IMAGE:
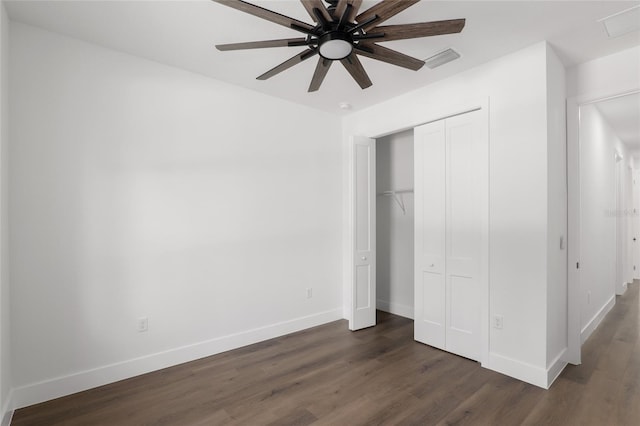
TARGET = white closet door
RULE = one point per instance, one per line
(464, 192)
(450, 214)
(364, 217)
(429, 234)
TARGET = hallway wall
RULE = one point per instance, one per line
(598, 145)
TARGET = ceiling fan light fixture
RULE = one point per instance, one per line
(335, 46)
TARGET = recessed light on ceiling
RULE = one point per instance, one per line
(441, 58)
(344, 105)
(622, 22)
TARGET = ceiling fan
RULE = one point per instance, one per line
(341, 34)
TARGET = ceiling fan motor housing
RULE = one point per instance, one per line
(335, 45)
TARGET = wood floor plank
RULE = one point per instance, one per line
(502, 400)
(441, 396)
(297, 417)
(558, 405)
(598, 400)
(627, 409)
(615, 359)
(328, 375)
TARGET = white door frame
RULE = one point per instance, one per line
(385, 129)
(574, 323)
(621, 235)
(635, 225)
(629, 223)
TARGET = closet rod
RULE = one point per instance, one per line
(396, 191)
(397, 197)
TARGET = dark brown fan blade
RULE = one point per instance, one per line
(316, 4)
(269, 15)
(390, 56)
(289, 63)
(287, 42)
(355, 68)
(321, 72)
(342, 5)
(425, 29)
(385, 10)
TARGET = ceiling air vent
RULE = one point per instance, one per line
(622, 22)
(441, 58)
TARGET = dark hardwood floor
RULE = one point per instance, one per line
(330, 376)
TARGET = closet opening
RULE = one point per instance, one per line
(395, 224)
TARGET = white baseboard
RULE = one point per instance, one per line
(66, 385)
(529, 373)
(395, 308)
(7, 412)
(594, 322)
(555, 368)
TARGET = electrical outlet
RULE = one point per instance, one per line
(498, 321)
(309, 293)
(143, 324)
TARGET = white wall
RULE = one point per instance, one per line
(5, 306)
(137, 189)
(394, 229)
(516, 87)
(628, 225)
(598, 144)
(556, 214)
(606, 76)
(624, 214)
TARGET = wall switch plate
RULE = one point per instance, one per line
(143, 324)
(309, 293)
(498, 322)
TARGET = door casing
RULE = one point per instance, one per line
(574, 324)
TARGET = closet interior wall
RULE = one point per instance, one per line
(394, 227)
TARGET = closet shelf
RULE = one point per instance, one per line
(397, 196)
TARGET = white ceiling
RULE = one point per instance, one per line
(623, 115)
(183, 34)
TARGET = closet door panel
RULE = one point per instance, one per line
(364, 241)
(429, 196)
(463, 234)
(363, 287)
(461, 307)
(434, 308)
